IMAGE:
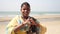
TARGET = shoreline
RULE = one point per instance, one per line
(40, 17)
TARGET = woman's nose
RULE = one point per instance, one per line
(25, 10)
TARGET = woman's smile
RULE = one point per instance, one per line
(25, 10)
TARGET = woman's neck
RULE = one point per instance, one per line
(25, 17)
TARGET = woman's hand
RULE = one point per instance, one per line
(27, 21)
(32, 22)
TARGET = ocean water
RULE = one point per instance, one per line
(33, 13)
(14, 13)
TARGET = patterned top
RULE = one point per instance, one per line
(15, 22)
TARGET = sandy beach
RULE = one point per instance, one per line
(51, 22)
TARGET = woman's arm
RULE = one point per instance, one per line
(18, 27)
(21, 25)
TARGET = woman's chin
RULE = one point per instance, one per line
(26, 15)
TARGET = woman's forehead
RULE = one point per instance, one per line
(25, 6)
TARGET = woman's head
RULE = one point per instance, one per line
(25, 9)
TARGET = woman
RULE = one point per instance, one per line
(23, 24)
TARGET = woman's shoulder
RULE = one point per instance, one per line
(13, 21)
(16, 17)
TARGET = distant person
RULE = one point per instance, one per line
(23, 24)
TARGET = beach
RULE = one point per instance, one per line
(51, 22)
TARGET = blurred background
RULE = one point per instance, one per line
(46, 11)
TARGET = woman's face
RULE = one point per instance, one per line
(25, 10)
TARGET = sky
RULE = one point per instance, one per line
(36, 5)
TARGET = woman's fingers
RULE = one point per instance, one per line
(32, 21)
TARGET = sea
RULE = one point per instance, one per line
(14, 13)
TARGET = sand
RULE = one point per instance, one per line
(51, 22)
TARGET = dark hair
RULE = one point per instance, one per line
(25, 3)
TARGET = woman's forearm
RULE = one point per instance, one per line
(18, 27)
